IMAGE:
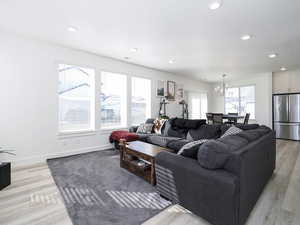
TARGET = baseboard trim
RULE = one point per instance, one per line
(43, 158)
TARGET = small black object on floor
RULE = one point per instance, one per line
(4, 175)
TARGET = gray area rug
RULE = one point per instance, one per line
(96, 191)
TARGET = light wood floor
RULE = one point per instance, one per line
(33, 198)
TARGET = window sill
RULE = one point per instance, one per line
(108, 130)
(71, 134)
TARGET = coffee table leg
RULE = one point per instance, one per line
(122, 150)
(153, 176)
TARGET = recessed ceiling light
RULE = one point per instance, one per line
(72, 29)
(283, 69)
(246, 37)
(171, 61)
(273, 55)
(134, 49)
(215, 4)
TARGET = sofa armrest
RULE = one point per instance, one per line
(210, 194)
(133, 129)
(253, 165)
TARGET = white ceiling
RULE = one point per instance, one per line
(204, 43)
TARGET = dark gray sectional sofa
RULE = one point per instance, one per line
(224, 181)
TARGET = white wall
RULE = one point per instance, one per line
(29, 103)
(263, 97)
(286, 82)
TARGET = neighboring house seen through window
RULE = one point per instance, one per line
(75, 91)
(140, 100)
(113, 99)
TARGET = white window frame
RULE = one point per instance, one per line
(239, 87)
(92, 129)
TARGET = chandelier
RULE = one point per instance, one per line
(220, 88)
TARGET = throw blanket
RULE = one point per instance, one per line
(122, 134)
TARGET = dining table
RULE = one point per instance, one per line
(232, 117)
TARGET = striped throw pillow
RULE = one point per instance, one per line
(231, 131)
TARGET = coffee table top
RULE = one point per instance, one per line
(146, 148)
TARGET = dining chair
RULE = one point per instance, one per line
(217, 118)
(231, 121)
(246, 119)
(209, 117)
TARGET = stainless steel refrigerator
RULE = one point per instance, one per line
(286, 116)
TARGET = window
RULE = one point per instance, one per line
(197, 105)
(140, 100)
(113, 99)
(76, 95)
(240, 100)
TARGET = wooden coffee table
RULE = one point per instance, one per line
(136, 153)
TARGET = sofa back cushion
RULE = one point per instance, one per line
(225, 127)
(178, 123)
(213, 154)
(169, 131)
(205, 131)
(252, 135)
(216, 154)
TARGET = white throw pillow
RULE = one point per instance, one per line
(158, 125)
(145, 128)
(191, 145)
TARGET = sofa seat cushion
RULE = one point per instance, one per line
(160, 140)
(205, 131)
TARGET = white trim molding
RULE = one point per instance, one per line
(43, 158)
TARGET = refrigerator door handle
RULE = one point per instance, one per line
(289, 124)
(288, 108)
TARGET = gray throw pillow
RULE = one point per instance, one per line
(213, 154)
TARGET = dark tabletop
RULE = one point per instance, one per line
(146, 148)
(227, 116)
